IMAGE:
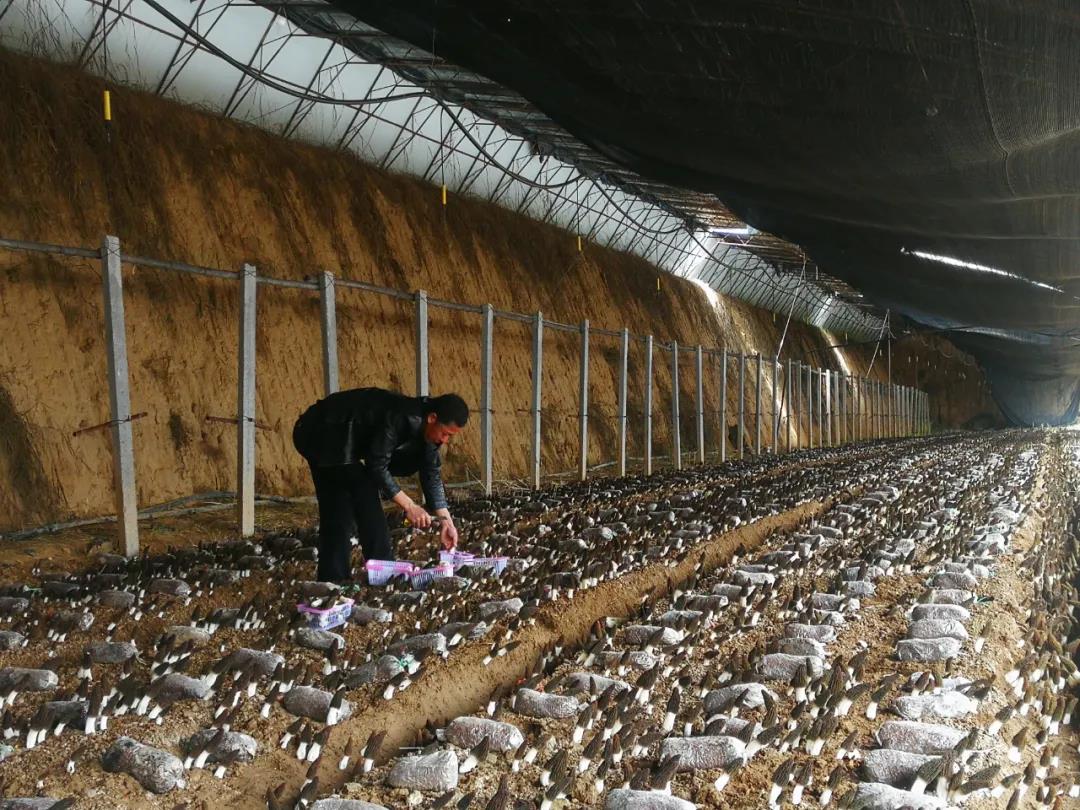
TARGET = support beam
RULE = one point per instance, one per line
(245, 417)
(123, 450)
(538, 379)
(583, 400)
(421, 298)
(624, 356)
(328, 310)
(487, 333)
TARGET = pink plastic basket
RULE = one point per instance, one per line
(456, 558)
(496, 564)
(422, 577)
(380, 571)
(331, 617)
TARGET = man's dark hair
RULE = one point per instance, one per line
(449, 409)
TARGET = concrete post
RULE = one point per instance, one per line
(742, 403)
(868, 398)
(790, 403)
(624, 355)
(123, 447)
(699, 357)
(839, 410)
(823, 416)
(757, 409)
(583, 468)
(903, 411)
(800, 436)
(882, 410)
(873, 409)
(890, 393)
(676, 433)
(859, 407)
(487, 333)
(850, 393)
(841, 406)
(245, 422)
(648, 403)
(810, 405)
(723, 406)
(879, 407)
(421, 343)
(827, 375)
(775, 407)
(328, 310)
(538, 380)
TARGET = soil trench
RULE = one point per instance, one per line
(461, 683)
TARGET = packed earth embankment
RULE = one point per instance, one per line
(180, 184)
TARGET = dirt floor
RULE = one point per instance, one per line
(785, 499)
(175, 183)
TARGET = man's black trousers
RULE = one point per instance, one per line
(349, 506)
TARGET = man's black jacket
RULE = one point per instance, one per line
(381, 429)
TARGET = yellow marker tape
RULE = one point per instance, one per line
(444, 193)
(579, 244)
(108, 106)
(658, 283)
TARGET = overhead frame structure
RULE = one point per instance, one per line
(923, 152)
(305, 69)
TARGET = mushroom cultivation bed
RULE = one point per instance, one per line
(887, 625)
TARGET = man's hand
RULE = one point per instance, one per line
(414, 512)
(448, 535)
(418, 516)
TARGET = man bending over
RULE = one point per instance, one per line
(355, 443)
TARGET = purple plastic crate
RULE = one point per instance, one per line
(330, 617)
(380, 571)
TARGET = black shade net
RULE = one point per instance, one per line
(866, 131)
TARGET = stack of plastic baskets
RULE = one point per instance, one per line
(422, 577)
(379, 572)
(330, 617)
